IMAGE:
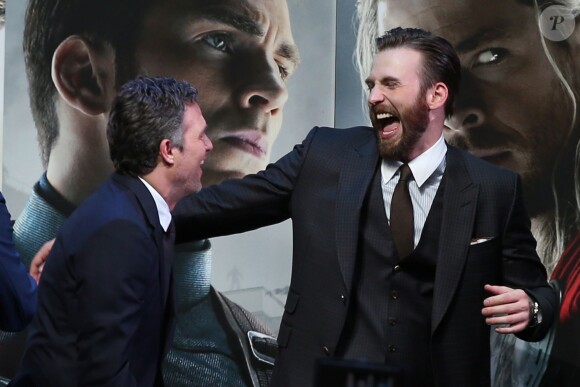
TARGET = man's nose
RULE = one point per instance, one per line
(208, 144)
(464, 119)
(468, 112)
(264, 88)
(375, 96)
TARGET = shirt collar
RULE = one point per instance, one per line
(421, 166)
(162, 207)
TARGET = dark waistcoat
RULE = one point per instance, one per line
(390, 317)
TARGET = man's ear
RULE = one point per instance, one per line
(84, 74)
(167, 152)
(437, 95)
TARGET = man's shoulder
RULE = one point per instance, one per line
(352, 132)
(111, 203)
(330, 138)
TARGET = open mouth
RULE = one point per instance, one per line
(388, 124)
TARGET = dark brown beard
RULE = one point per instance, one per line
(414, 122)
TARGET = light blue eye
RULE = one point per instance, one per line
(219, 41)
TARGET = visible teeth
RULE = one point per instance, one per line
(381, 116)
(202, 161)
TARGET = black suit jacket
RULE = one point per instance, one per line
(321, 185)
(102, 311)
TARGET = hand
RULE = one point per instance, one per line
(39, 259)
(507, 307)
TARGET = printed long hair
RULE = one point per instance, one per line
(556, 231)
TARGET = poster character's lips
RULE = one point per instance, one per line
(494, 156)
(250, 141)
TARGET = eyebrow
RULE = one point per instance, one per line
(233, 19)
(244, 23)
(290, 52)
(383, 80)
(480, 38)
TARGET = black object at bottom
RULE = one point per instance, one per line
(350, 373)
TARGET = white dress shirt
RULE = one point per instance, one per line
(427, 169)
(161, 204)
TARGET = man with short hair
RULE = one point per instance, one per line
(238, 53)
(518, 109)
(370, 281)
(94, 325)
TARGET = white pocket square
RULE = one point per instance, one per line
(476, 241)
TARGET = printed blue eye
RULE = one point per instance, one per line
(220, 41)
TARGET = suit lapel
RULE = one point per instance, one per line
(144, 199)
(151, 214)
(460, 200)
(356, 173)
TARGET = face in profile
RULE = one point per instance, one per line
(512, 109)
(239, 54)
(193, 151)
(396, 102)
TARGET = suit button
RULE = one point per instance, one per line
(394, 294)
(392, 348)
(398, 268)
(343, 298)
(392, 322)
(326, 350)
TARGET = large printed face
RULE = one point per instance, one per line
(512, 109)
(238, 53)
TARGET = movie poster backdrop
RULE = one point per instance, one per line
(517, 108)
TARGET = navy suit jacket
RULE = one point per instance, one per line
(17, 288)
(103, 311)
(321, 185)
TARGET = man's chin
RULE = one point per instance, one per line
(390, 148)
(393, 152)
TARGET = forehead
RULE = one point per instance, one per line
(459, 21)
(398, 63)
(192, 116)
(252, 16)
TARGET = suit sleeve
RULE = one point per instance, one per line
(117, 267)
(522, 267)
(17, 288)
(240, 205)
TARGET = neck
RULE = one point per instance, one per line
(162, 186)
(77, 171)
(429, 138)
